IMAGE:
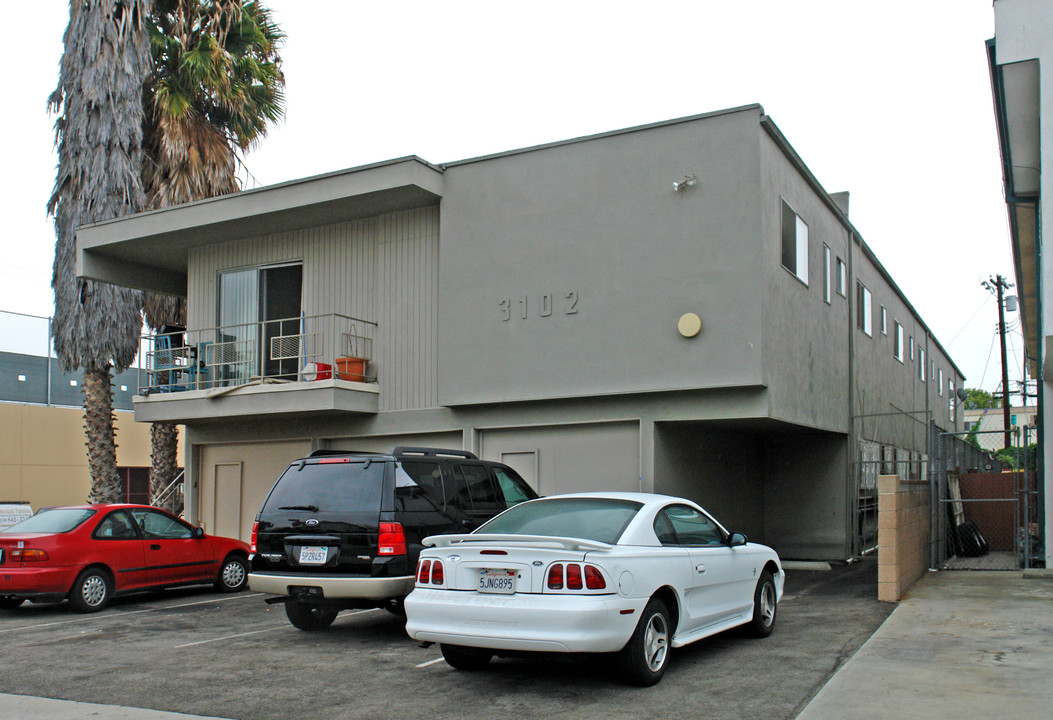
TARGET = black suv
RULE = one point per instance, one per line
(344, 529)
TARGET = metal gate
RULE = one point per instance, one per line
(983, 518)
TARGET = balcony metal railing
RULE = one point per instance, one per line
(302, 349)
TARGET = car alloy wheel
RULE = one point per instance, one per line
(764, 606)
(233, 576)
(91, 591)
(644, 658)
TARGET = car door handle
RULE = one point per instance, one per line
(155, 547)
(700, 568)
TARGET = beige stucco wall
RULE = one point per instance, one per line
(43, 459)
(904, 521)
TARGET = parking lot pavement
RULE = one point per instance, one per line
(233, 656)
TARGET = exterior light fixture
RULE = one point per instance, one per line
(688, 181)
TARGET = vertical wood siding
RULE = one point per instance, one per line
(384, 269)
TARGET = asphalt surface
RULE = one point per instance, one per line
(232, 656)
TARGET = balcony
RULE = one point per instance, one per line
(319, 364)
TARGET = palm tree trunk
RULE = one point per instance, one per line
(106, 485)
(164, 439)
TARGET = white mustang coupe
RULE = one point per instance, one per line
(628, 573)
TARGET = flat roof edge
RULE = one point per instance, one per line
(270, 188)
(609, 133)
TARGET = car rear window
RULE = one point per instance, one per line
(599, 519)
(329, 486)
(57, 520)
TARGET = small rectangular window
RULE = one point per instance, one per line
(794, 243)
(842, 277)
(950, 399)
(884, 321)
(939, 381)
(912, 348)
(897, 342)
(827, 273)
(921, 364)
(864, 309)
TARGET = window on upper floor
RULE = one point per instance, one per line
(921, 364)
(897, 341)
(842, 277)
(884, 321)
(950, 400)
(827, 273)
(939, 383)
(912, 348)
(864, 309)
(794, 243)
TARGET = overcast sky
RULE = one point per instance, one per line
(889, 100)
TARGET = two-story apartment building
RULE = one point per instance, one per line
(678, 307)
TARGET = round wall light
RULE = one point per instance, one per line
(689, 325)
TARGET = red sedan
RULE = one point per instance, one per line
(89, 553)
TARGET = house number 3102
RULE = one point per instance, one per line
(538, 305)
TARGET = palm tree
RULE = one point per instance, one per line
(99, 136)
(215, 84)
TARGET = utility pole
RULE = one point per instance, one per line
(998, 285)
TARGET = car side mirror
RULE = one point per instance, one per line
(737, 538)
(199, 532)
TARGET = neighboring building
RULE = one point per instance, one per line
(678, 307)
(1021, 55)
(43, 460)
(991, 435)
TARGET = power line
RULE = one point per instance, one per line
(984, 303)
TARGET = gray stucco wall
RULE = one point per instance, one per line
(568, 267)
(805, 338)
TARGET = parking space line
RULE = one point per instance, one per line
(67, 622)
(229, 637)
(257, 632)
(431, 662)
(87, 618)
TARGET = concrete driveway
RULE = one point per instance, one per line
(202, 653)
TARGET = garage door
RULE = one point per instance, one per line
(234, 479)
(453, 440)
(569, 458)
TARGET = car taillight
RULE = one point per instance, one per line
(574, 577)
(593, 578)
(577, 576)
(252, 538)
(29, 555)
(555, 577)
(392, 539)
(436, 572)
(424, 572)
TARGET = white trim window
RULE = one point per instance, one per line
(897, 344)
(884, 320)
(842, 278)
(921, 363)
(794, 243)
(864, 309)
(827, 274)
(939, 382)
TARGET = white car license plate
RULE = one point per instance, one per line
(497, 581)
(313, 555)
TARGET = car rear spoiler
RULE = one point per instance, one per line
(567, 543)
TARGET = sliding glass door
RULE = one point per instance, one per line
(255, 305)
